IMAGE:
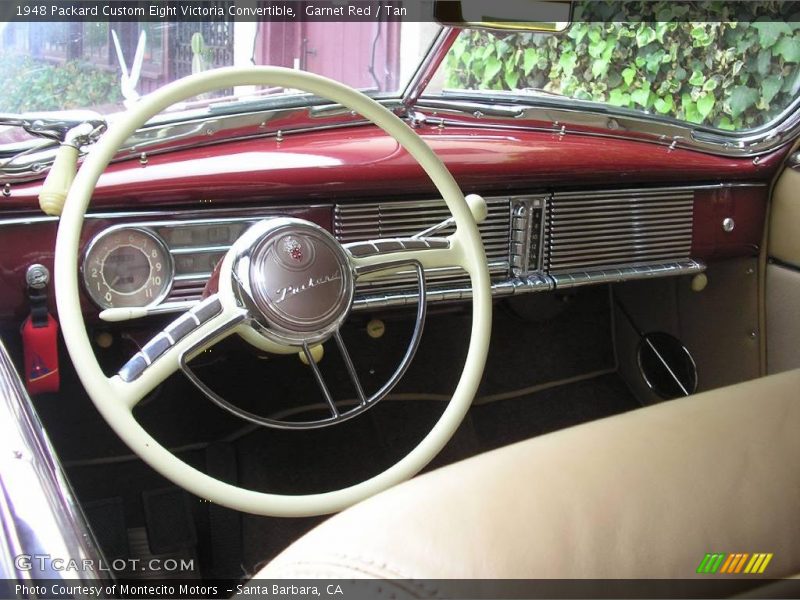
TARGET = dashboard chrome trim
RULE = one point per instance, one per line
(604, 228)
(187, 287)
(393, 292)
(534, 283)
(203, 214)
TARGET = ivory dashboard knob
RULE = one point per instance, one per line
(376, 328)
(699, 282)
(317, 352)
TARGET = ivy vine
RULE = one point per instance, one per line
(729, 75)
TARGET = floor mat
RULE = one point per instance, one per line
(396, 427)
(502, 423)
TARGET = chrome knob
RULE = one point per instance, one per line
(37, 276)
(728, 225)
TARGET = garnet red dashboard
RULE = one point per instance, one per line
(563, 211)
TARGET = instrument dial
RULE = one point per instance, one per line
(127, 267)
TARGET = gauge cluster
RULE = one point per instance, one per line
(144, 264)
(127, 266)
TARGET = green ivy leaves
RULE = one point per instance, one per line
(770, 31)
(493, 66)
(741, 98)
(770, 88)
(704, 105)
(788, 47)
(529, 61)
(726, 75)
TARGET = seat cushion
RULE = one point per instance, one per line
(645, 494)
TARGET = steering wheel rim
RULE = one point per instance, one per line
(105, 392)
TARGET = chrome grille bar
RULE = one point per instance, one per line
(606, 229)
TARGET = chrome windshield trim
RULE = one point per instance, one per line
(430, 64)
(214, 128)
(554, 116)
(558, 116)
(160, 137)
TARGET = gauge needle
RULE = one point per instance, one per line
(113, 283)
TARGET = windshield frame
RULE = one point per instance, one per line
(559, 114)
(618, 121)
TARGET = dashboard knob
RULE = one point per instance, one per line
(37, 276)
(478, 208)
(728, 225)
(317, 352)
(699, 282)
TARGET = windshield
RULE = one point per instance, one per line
(106, 66)
(732, 76)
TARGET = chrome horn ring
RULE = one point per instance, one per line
(296, 284)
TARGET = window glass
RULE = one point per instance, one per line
(727, 75)
(106, 66)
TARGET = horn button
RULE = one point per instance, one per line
(296, 280)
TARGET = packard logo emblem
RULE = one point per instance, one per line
(295, 252)
(293, 248)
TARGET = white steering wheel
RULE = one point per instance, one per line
(259, 297)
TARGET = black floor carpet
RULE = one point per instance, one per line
(391, 432)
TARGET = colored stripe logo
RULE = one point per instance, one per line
(733, 564)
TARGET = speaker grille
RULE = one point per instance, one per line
(587, 230)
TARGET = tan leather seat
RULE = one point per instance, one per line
(645, 494)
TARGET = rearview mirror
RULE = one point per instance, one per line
(508, 15)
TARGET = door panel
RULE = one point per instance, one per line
(784, 231)
(783, 318)
(783, 275)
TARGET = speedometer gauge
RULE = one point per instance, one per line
(127, 267)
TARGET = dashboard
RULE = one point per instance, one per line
(534, 242)
(634, 211)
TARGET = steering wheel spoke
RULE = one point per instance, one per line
(351, 369)
(378, 258)
(335, 414)
(194, 331)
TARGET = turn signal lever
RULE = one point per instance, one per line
(59, 179)
(477, 206)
